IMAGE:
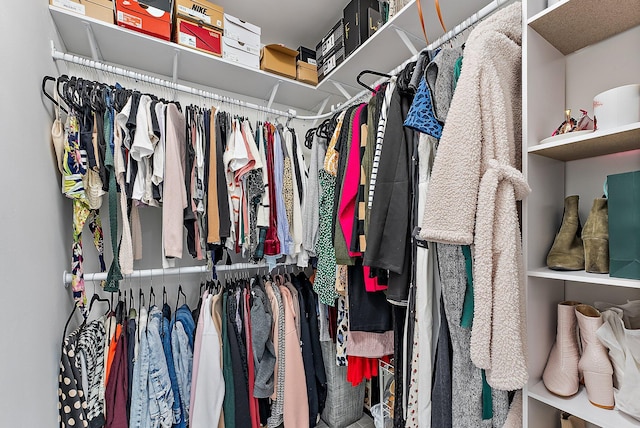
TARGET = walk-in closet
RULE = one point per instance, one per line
(341, 214)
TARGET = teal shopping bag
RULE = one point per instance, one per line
(624, 225)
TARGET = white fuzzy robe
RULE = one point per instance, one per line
(474, 187)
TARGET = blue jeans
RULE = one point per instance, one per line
(182, 328)
(139, 412)
(179, 421)
(152, 397)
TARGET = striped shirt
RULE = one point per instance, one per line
(382, 126)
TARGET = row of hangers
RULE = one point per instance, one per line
(129, 302)
(326, 128)
(213, 285)
(80, 94)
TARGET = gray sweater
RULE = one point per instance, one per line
(311, 209)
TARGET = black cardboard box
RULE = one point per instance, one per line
(331, 42)
(330, 62)
(307, 55)
(374, 21)
(356, 25)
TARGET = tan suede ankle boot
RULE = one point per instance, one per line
(594, 363)
(570, 421)
(595, 236)
(561, 372)
(567, 251)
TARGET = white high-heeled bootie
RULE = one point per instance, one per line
(594, 362)
(561, 372)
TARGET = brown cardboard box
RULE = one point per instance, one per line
(307, 73)
(98, 9)
(144, 18)
(201, 37)
(279, 59)
(201, 11)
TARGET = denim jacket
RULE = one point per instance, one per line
(152, 398)
(165, 332)
(182, 329)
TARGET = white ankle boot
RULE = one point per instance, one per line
(561, 372)
(594, 363)
(624, 351)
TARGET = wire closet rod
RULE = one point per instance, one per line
(86, 62)
(187, 270)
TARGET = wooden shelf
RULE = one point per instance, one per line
(384, 50)
(582, 276)
(570, 25)
(598, 143)
(579, 406)
(135, 50)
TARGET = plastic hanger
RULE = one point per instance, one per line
(375, 73)
(46, 94)
(180, 292)
(152, 295)
(141, 300)
(66, 325)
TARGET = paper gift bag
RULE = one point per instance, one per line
(624, 225)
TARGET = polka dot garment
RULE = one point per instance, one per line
(72, 404)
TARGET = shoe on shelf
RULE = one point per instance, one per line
(570, 421)
(595, 236)
(567, 251)
(594, 362)
(561, 372)
(624, 352)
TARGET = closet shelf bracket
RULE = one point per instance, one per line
(407, 42)
(342, 90)
(274, 91)
(93, 44)
(175, 66)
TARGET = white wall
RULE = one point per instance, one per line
(35, 225)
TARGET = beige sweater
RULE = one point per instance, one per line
(474, 187)
(174, 199)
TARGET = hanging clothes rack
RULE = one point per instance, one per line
(101, 66)
(187, 270)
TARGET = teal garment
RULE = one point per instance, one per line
(487, 399)
(115, 275)
(466, 320)
(457, 69)
(229, 404)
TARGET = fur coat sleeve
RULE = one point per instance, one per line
(475, 185)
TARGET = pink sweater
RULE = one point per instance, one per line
(350, 184)
(174, 199)
(296, 404)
